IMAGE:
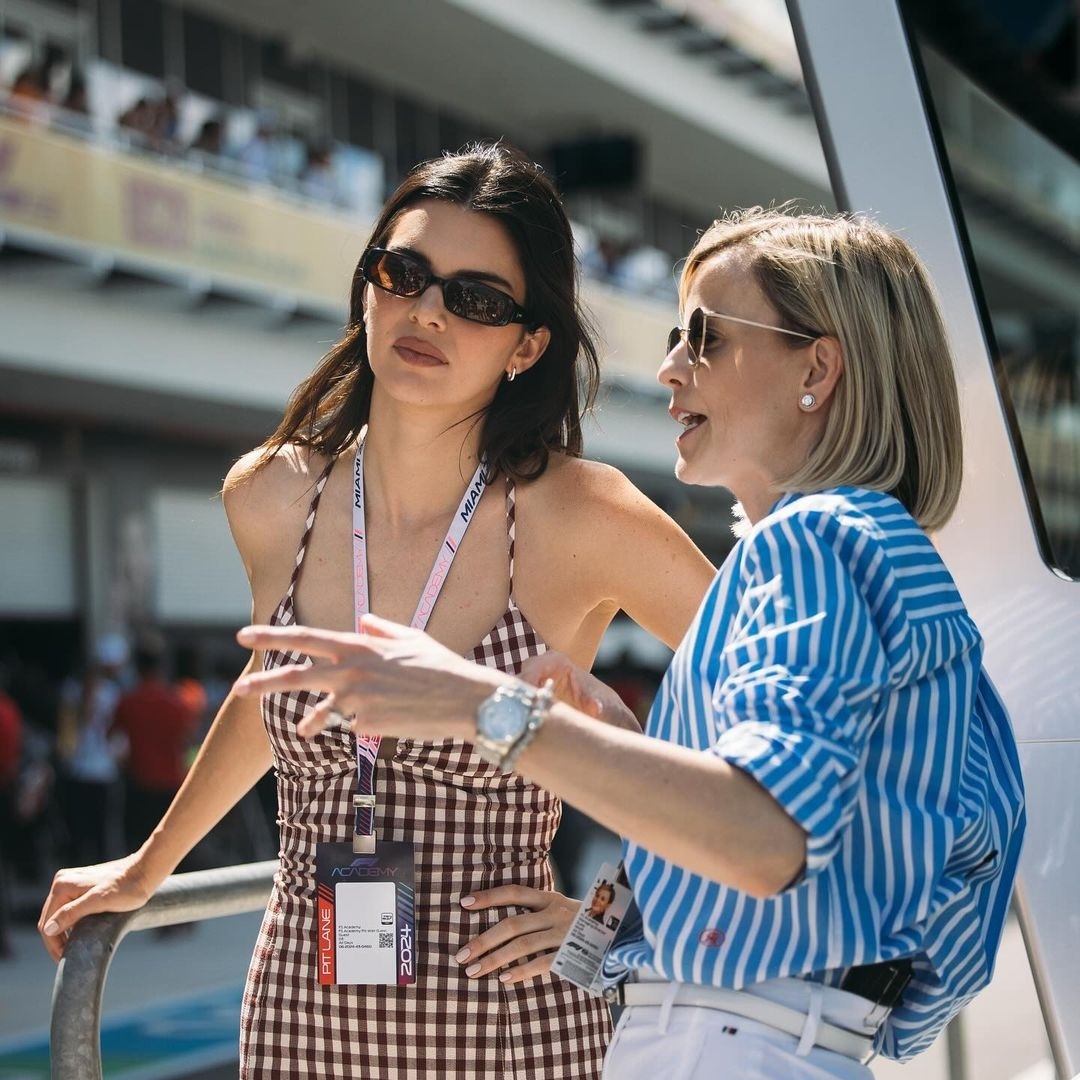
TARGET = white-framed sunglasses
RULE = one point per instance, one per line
(693, 333)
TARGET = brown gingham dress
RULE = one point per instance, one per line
(472, 828)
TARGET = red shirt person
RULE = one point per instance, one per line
(159, 727)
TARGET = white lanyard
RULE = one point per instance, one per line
(367, 746)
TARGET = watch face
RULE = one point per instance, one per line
(502, 719)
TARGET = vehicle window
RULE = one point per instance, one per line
(1019, 198)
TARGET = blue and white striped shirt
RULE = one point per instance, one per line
(833, 661)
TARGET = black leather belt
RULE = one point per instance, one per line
(882, 983)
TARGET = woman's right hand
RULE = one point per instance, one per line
(85, 890)
(579, 689)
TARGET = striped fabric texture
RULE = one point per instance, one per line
(833, 660)
(473, 828)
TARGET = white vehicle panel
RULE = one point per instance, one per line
(883, 160)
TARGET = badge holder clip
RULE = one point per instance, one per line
(364, 843)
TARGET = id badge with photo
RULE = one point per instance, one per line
(580, 958)
(366, 915)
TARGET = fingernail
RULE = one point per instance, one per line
(245, 635)
(506, 976)
(462, 956)
(52, 928)
(242, 685)
(472, 969)
(467, 901)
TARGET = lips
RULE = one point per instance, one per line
(417, 351)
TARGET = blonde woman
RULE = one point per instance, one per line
(822, 832)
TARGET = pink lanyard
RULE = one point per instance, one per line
(367, 746)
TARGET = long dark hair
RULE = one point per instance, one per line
(541, 409)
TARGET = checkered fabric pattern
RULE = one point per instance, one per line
(472, 828)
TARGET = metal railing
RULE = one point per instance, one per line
(75, 1031)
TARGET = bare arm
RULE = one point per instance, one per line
(694, 808)
(232, 758)
(234, 755)
(629, 554)
(690, 806)
(659, 575)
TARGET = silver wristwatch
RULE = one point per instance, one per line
(507, 721)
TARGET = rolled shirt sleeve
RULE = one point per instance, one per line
(802, 671)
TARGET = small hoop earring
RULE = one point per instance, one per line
(513, 375)
(808, 401)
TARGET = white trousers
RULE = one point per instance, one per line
(693, 1043)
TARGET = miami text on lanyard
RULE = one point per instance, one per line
(367, 746)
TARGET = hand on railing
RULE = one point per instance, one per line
(86, 890)
(75, 1039)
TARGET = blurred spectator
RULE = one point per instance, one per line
(33, 844)
(317, 179)
(89, 767)
(14, 51)
(167, 125)
(54, 64)
(29, 96)
(645, 270)
(211, 138)
(74, 111)
(75, 100)
(158, 727)
(11, 740)
(256, 156)
(188, 681)
(599, 260)
(140, 120)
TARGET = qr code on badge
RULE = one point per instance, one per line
(386, 940)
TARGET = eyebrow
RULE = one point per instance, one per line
(477, 275)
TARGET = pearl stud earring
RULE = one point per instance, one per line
(808, 401)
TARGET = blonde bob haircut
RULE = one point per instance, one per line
(894, 415)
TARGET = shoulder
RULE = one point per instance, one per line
(595, 509)
(590, 492)
(825, 548)
(854, 542)
(286, 475)
(860, 528)
(258, 483)
(613, 545)
(277, 489)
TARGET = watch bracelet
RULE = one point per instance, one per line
(538, 712)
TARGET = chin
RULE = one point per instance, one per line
(689, 472)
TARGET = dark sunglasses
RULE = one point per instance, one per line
(693, 333)
(405, 275)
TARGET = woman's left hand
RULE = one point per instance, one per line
(523, 945)
(392, 680)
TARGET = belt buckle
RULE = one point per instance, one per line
(616, 995)
(876, 1016)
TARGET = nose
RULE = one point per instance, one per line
(429, 308)
(675, 368)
